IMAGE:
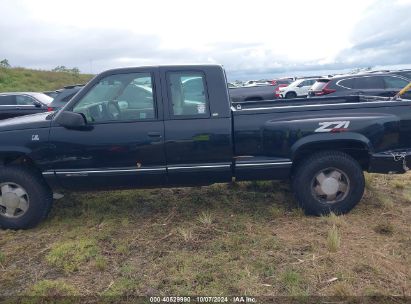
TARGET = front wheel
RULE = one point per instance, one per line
(290, 95)
(25, 198)
(328, 182)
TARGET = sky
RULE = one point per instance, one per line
(251, 39)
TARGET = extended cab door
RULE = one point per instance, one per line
(123, 143)
(198, 140)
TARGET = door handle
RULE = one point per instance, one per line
(154, 134)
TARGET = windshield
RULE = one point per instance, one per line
(296, 83)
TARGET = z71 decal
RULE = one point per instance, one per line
(333, 126)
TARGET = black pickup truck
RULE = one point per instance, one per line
(144, 127)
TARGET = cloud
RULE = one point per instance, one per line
(382, 37)
(244, 39)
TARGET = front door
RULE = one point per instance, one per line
(124, 143)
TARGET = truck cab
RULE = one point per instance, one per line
(146, 126)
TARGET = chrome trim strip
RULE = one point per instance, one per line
(320, 105)
(263, 164)
(109, 171)
(198, 167)
(48, 173)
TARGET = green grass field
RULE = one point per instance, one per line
(26, 80)
(245, 238)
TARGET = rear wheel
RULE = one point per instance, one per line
(327, 182)
(290, 95)
(25, 198)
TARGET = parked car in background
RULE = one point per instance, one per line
(15, 104)
(252, 93)
(386, 85)
(63, 96)
(52, 94)
(277, 90)
(282, 81)
(231, 85)
(298, 88)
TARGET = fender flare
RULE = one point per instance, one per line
(327, 138)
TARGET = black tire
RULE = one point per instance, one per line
(39, 194)
(290, 95)
(305, 183)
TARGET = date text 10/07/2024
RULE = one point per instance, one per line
(203, 299)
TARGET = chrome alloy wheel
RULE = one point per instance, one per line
(14, 200)
(330, 186)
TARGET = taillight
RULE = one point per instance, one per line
(324, 91)
(50, 109)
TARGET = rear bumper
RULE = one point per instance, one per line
(395, 162)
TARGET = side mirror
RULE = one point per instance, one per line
(71, 120)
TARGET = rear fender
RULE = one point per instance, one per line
(326, 141)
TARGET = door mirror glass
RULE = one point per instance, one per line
(71, 120)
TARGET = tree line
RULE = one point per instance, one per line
(61, 68)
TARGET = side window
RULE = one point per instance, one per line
(68, 97)
(7, 100)
(121, 97)
(23, 100)
(375, 82)
(347, 83)
(394, 82)
(188, 94)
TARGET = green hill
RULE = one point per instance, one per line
(21, 79)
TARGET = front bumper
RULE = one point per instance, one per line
(394, 162)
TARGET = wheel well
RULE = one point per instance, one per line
(252, 98)
(357, 150)
(290, 93)
(17, 159)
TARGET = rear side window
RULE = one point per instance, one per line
(188, 94)
(7, 100)
(347, 83)
(320, 84)
(369, 83)
(394, 82)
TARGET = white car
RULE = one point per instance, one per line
(298, 88)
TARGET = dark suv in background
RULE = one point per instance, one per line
(403, 73)
(386, 85)
(23, 103)
(64, 95)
